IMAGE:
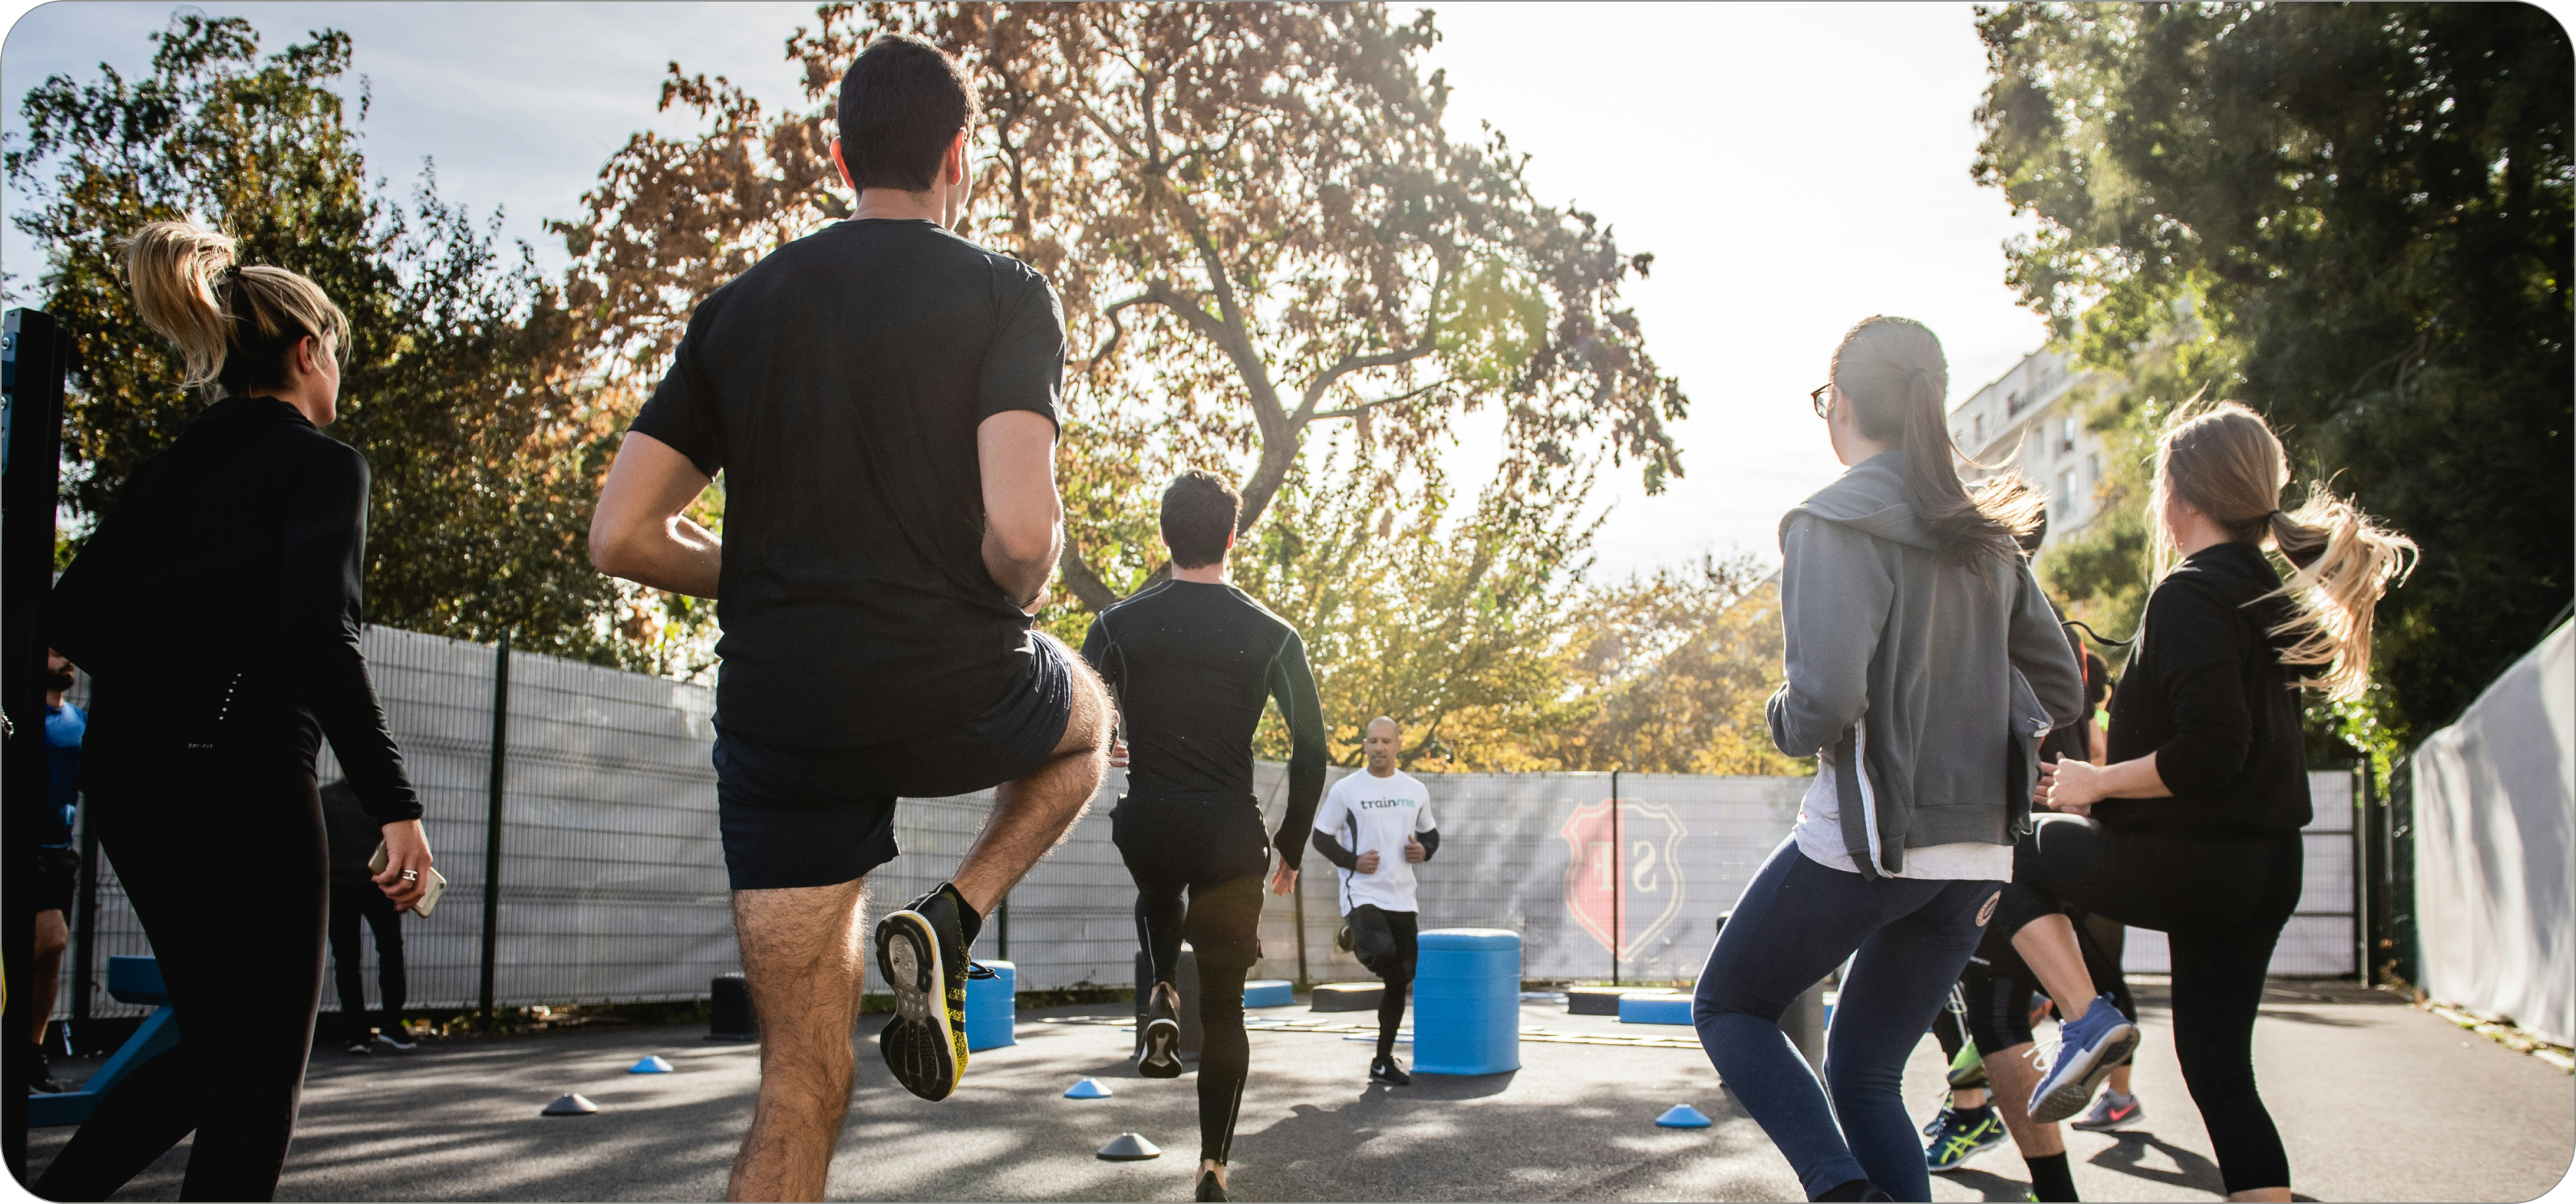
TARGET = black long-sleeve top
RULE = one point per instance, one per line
(2206, 693)
(1193, 664)
(218, 606)
(1334, 852)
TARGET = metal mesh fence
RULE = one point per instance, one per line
(612, 883)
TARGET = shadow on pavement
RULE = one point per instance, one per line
(2128, 1152)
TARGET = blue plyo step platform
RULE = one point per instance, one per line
(1269, 993)
(992, 1007)
(129, 980)
(1654, 1009)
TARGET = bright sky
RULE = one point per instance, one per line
(1793, 167)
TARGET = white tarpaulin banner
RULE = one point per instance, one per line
(2495, 808)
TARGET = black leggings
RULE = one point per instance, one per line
(224, 864)
(1395, 966)
(352, 902)
(2223, 901)
(1999, 987)
(1199, 845)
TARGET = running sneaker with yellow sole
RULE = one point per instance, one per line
(1964, 1134)
(922, 952)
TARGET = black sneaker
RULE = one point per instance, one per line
(1161, 1057)
(1209, 1188)
(922, 951)
(40, 1074)
(1384, 1070)
(1342, 939)
(395, 1041)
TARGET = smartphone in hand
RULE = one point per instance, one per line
(436, 886)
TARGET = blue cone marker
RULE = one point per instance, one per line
(1087, 1089)
(652, 1064)
(1683, 1116)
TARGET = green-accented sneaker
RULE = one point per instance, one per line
(922, 952)
(1968, 1069)
(1964, 1135)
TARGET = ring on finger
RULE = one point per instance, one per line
(411, 875)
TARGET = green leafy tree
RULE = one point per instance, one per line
(2355, 218)
(459, 386)
(1671, 671)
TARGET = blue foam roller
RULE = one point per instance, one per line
(1682, 1116)
(1466, 1002)
(992, 1007)
(1654, 1009)
(1269, 993)
(652, 1064)
(1087, 1089)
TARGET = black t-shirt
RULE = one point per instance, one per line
(1193, 664)
(2207, 694)
(838, 385)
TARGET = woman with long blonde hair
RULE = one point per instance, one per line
(2192, 828)
(217, 609)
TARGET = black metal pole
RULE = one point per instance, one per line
(1614, 878)
(1298, 901)
(85, 932)
(2361, 867)
(492, 819)
(1002, 923)
(34, 355)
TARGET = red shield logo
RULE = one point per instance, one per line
(1631, 885)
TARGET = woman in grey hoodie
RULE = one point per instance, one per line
(1924, 667)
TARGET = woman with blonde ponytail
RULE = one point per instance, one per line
(1923, 668)
(217, 609)
(2193, 826)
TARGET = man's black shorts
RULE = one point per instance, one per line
(821, 817)
(52, 877)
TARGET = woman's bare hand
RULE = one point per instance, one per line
(406, 848)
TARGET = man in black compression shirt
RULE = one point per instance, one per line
(1192, 662)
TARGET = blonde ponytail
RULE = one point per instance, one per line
(233, 326)
(2224, 460)
(173, 268)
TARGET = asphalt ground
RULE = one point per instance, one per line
(2377, 1100)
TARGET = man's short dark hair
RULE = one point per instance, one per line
(1199, 511)
(901, 101)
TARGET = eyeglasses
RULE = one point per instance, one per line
(1822, 395)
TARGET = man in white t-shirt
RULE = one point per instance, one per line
(1377, 826)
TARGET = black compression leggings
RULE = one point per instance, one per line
(2223, 901)
(351, 904)
(1398, 973)
(224, 866)
(1222, 923)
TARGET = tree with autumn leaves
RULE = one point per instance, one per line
(1258, 227)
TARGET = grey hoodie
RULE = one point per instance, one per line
(1939, 679)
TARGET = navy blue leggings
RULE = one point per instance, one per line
(1795, 923)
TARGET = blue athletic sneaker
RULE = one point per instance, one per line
(2087, 1050)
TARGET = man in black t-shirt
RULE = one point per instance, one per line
(881, 397)
(1193, 662)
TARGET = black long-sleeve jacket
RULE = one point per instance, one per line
(2206, 693)
(217, 606)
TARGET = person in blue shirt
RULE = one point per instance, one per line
(56, 865)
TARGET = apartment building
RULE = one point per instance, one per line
(2027, 421)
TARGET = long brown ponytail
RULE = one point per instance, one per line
(1896, 378)
(233, 326)
(2226, 462)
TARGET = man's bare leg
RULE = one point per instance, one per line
(2014, 1077)
(2047, 945)
(1031, 815)
(805, 963)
